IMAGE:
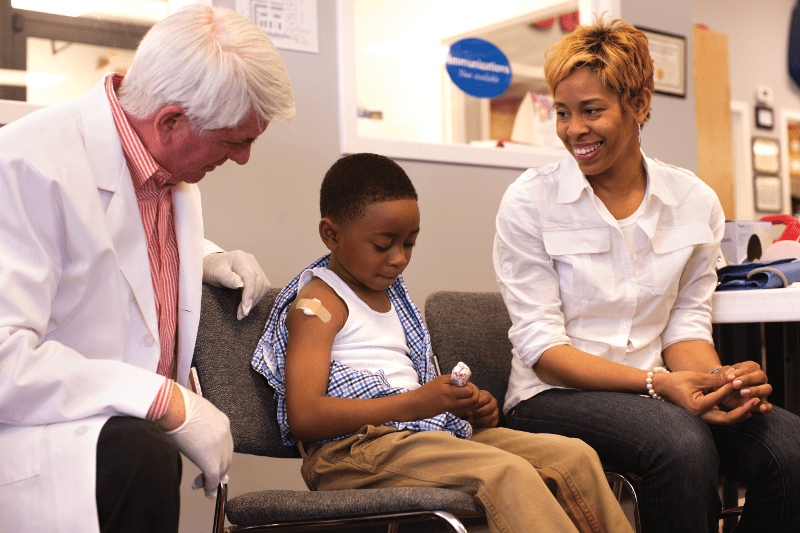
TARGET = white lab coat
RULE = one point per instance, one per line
(78, 329)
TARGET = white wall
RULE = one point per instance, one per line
(758, 37)
(670, 135)
(269, 207)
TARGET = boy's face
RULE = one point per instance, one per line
(373, 251)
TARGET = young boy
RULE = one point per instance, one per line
(347, 352)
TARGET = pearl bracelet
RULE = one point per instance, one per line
(649, 382)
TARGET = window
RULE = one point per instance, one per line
(56, 50)
(396, 97)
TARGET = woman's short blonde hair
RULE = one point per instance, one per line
(614, 50)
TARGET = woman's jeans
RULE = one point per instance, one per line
(679, 458)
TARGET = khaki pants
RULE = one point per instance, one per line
(524, 481)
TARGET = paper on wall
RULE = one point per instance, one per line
(290, 24)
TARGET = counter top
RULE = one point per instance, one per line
(759, 305)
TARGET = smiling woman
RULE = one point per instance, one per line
(606, 263)
(603, 138)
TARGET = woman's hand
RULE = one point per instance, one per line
(749, 383)
(487, 414)
(689, 390)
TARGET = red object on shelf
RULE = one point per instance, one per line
(544, 23)
(569, 21)
(792, 230)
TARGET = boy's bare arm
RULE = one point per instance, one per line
(313, 415)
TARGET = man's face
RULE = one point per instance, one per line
(189, 155)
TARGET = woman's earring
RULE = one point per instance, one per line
(640, 133)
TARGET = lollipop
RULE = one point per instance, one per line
(460, 374)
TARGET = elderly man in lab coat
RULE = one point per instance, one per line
(102, 259)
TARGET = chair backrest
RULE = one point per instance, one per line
(222, 356)
(472, 327)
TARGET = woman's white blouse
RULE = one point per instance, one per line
(568, 277)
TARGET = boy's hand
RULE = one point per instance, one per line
(440, 395)
(487, 415)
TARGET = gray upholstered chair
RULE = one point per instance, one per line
(473, 327)
(222, 358)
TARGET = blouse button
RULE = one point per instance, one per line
(148, 340)
(626, 325)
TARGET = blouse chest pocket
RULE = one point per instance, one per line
(582, 261)
(671, 249)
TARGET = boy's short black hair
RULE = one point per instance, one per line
(358, 180)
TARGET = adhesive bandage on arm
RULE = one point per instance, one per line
(314, 307)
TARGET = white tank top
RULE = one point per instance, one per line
(369, 340)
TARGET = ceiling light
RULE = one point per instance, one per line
(21, 78)
(153, 10)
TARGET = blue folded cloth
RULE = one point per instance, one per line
(759, 275)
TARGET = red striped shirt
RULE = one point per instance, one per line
(154, 196)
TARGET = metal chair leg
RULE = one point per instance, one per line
(729, 515)
(455, 524)
(618, 480)
(616, 487)
(219, 508)
(730, 502)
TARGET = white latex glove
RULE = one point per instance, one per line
(205, 438)
(234, 270)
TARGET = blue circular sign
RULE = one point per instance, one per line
(478, 68)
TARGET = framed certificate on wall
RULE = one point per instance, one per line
(668, 52)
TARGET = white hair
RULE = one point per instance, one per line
(213, 63)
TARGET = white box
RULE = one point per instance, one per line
(535, 122)
(742, 237)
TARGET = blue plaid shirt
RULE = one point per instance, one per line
(344, 382)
